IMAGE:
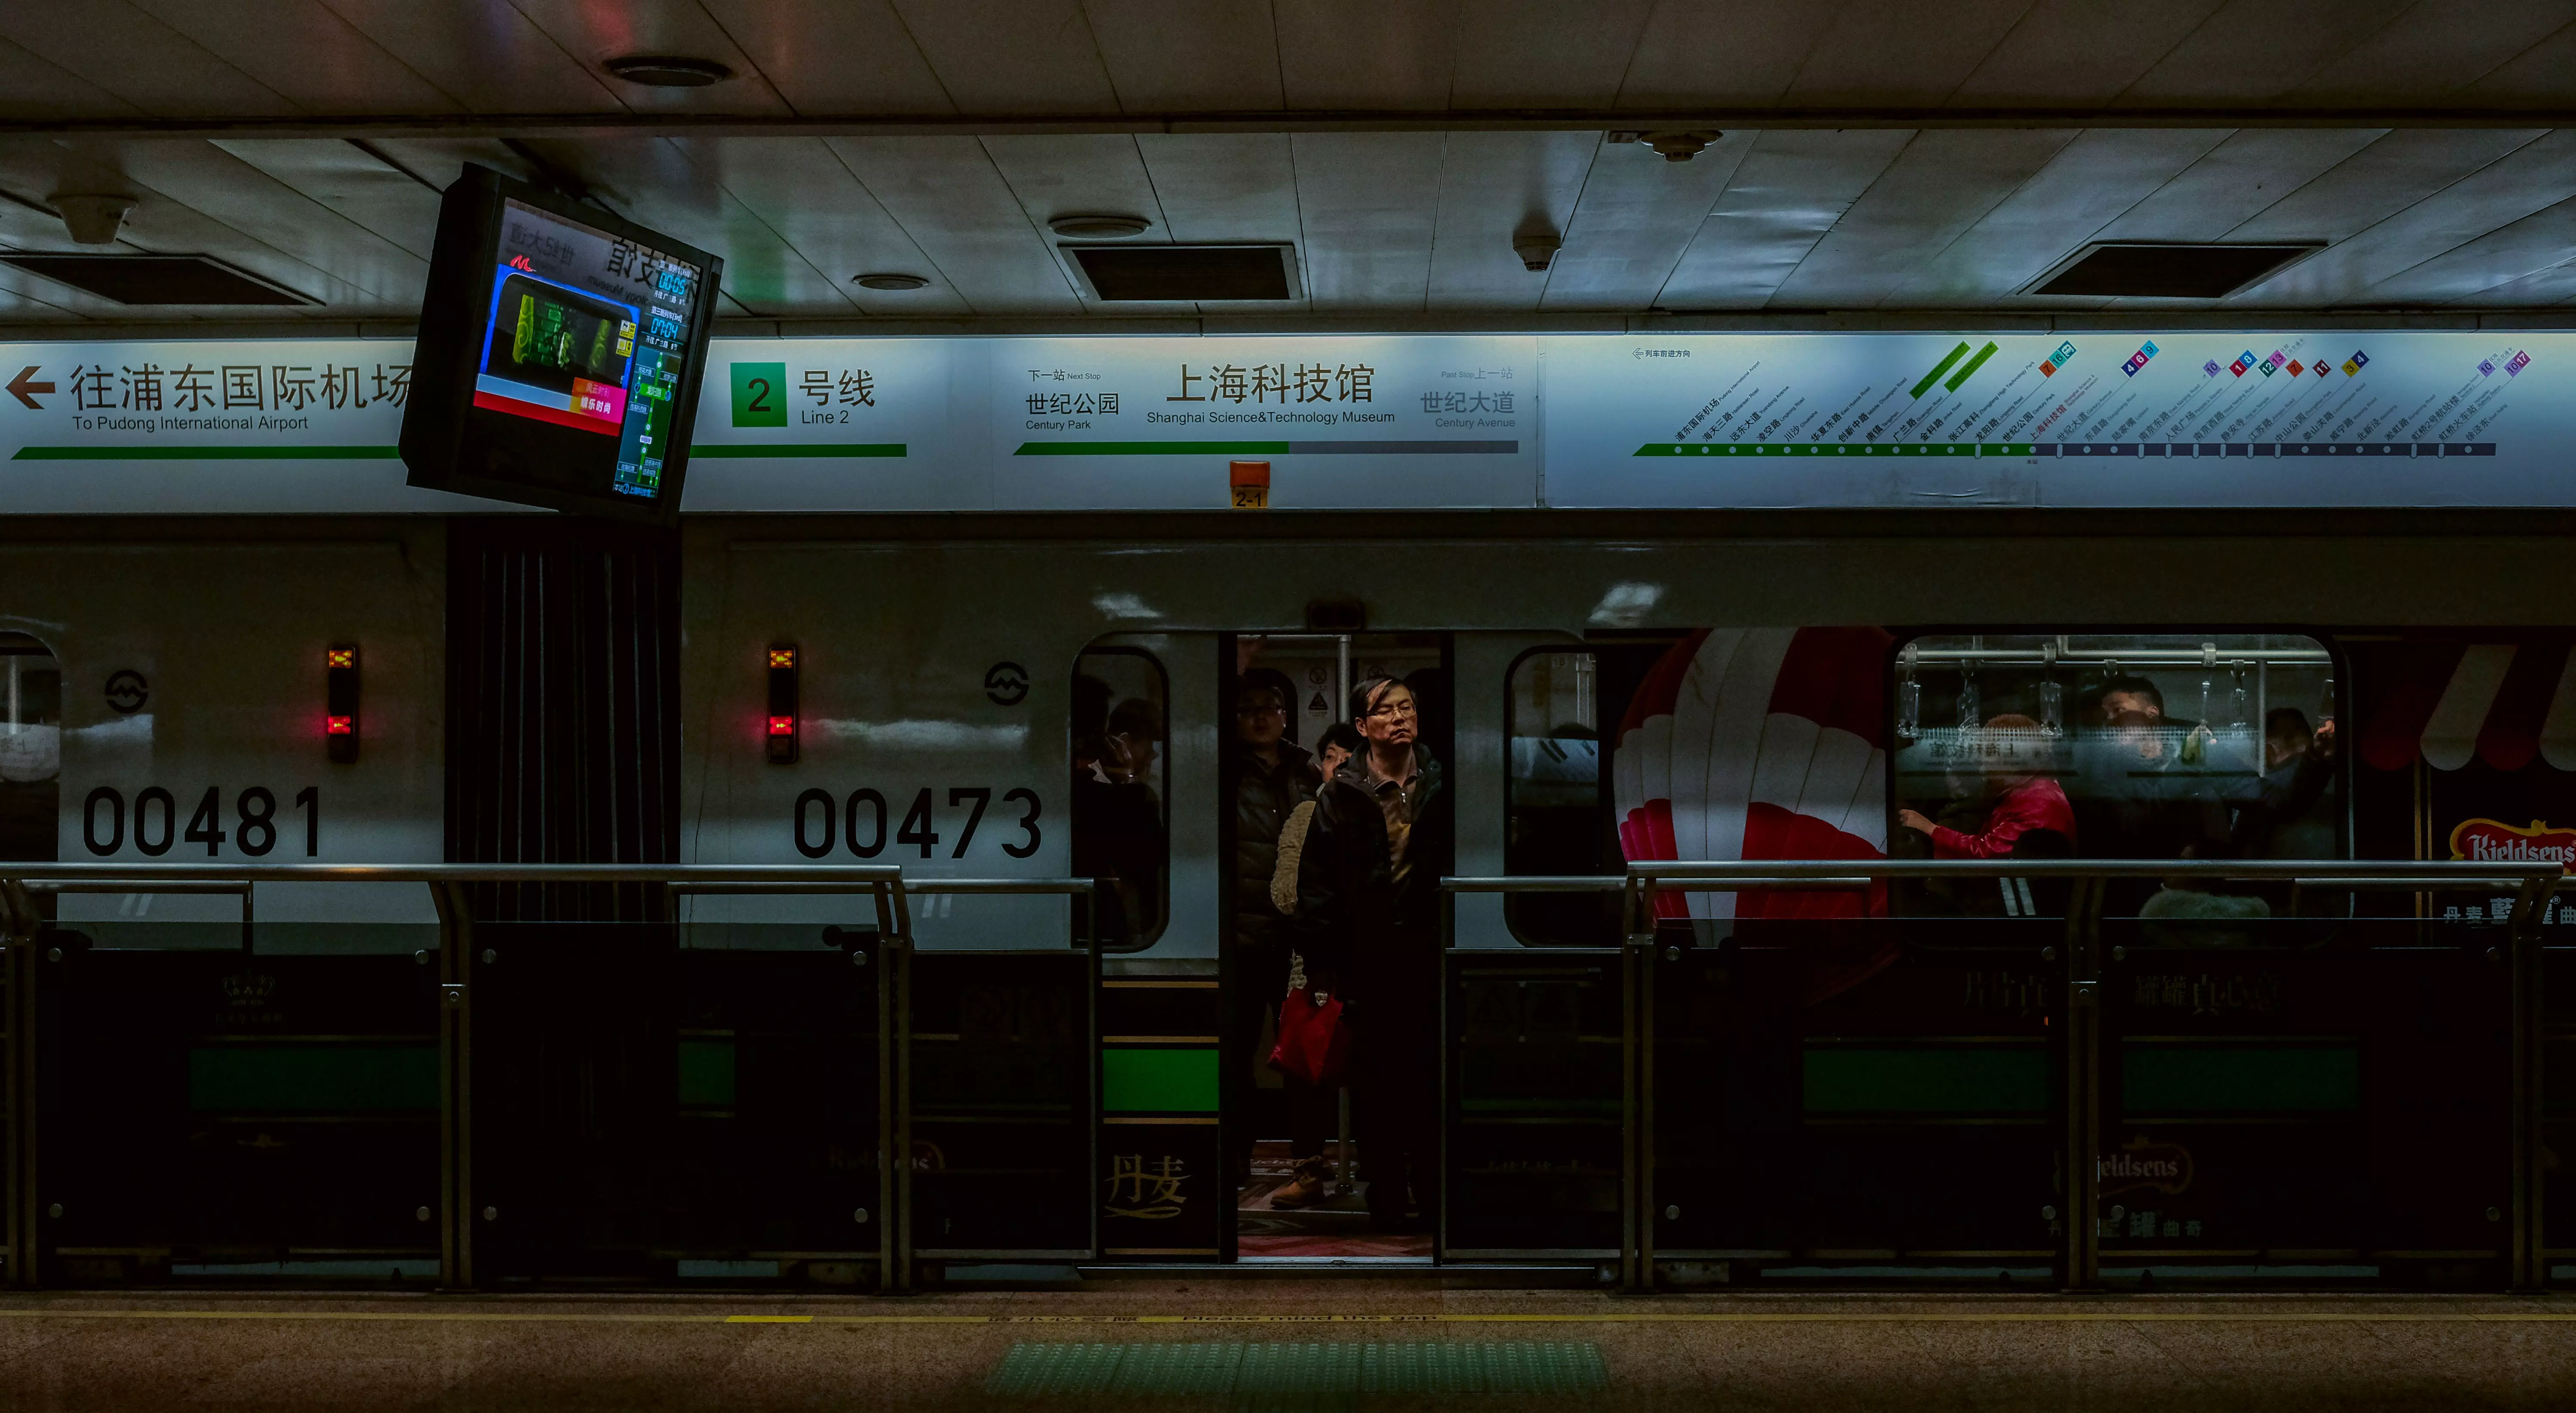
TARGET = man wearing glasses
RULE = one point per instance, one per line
(1368, 906)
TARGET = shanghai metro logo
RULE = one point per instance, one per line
(1006, 683)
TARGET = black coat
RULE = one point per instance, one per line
(1360, 926)
(1264, 796)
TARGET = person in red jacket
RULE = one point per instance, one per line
(2022, 802)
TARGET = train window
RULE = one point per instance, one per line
(2136, 746)
(31, 748)
(1120, 793)
(1558, 815)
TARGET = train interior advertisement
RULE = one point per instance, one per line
(1673, 914)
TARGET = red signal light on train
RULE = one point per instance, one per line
(783, 711)
(340, 702)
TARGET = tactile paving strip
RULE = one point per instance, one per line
(1283, 1376)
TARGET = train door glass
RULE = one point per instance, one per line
(1558, 806)
(1307, 1184)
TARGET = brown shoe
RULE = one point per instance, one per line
(1306, 1190)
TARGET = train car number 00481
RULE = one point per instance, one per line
(156, 829)
(860, 821)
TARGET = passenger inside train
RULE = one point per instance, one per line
(1117, 793)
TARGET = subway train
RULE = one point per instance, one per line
(2297, 1085)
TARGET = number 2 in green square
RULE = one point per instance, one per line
(759, 394)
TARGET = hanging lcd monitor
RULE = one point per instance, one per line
(559, 355)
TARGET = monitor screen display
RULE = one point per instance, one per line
(588, 331)
(560, 348)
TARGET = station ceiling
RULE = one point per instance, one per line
(1875, 155)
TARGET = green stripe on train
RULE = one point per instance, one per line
(1928, 1079)
(706, 1073)
(2200, 1078)
(1158, 1080)
(312, 1078)
(1083, 448)
(205, 453)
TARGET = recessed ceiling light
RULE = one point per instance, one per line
(2166, 269)
(1214, 273)
(890, 280)
(157, 279)
(669, 70)
(1099, 227)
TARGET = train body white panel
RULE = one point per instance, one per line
(192, 723)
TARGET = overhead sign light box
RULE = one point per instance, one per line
(559, 355)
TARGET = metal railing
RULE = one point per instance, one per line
(889, 894)
(451, 889)
(2079, 958)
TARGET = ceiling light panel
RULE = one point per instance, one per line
(2156, 270)
(1198, 274)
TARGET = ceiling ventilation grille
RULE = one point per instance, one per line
(2156, 270)
(156, 279)
(1199, 273)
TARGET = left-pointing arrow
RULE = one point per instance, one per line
(23, 387)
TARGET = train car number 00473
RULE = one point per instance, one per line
(860, 821)
(154, 817)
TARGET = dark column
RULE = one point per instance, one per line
(563, 731)
(563, 747)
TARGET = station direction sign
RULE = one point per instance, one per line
(2337, 418)
(2203, 418)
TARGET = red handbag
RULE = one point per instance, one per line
(1314, 1046)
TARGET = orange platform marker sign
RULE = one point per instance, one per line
(1250, 481)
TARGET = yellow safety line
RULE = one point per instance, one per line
(1742, 1317)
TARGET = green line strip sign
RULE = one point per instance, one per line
(206, 453)
(387, 453)
(1152, 449)
(1699, 449)
(1318, 447)
(1970, 371)
(764, 450)
(1938, 369)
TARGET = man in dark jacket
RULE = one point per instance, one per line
(1272, 776)
(1368, 916)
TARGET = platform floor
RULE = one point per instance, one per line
(1284, 1345)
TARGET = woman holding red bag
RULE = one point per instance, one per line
(1312, 1049)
